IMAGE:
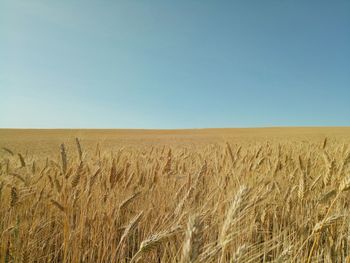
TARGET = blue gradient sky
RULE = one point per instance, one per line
(174, 64)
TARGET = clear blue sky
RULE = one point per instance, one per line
(174, 64)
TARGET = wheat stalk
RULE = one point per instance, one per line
(21, 158)
(193, 240)
(14, 196)
(80, 152)
(153, 241)
(8, 150)
(64, 158)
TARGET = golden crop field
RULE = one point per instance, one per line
(211, 195)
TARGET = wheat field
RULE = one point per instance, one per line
(211, 195)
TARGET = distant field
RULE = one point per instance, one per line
(202, 195)
(37, 140)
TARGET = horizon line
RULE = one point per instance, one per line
(167, 129)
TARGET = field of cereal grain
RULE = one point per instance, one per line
(205, 195)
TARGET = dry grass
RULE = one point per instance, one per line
(269, 195)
